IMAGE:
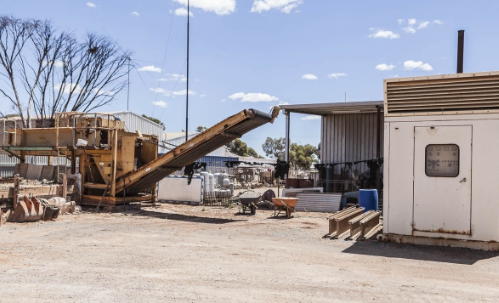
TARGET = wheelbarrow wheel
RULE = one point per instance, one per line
(253, 209)
(244, 209)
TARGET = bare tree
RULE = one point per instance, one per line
(58, 73)
(14, 34)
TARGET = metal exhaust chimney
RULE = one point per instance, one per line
(460, 50)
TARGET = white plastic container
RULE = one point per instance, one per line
(206, 180)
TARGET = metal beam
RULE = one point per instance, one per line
(26, 148)
(288, 114)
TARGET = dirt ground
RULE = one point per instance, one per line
(212, 254)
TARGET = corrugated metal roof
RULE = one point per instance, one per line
(333, 108)
(135, 122)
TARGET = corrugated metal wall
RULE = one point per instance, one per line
(349, 138)
(7, 163)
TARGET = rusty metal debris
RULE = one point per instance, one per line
(27, 210)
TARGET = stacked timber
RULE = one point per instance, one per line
(354, 224)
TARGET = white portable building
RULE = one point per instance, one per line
(441, 179)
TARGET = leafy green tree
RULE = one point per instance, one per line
(200, 129)
(240, 148)
(274, 148)
(2, 115)
(253, 153)
(302, 156)
(155, 121)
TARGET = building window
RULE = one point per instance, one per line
(442, 160)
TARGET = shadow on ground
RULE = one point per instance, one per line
(462, 256)
(180, 217)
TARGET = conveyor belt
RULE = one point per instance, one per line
(194, 149)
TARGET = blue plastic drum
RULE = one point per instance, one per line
(368, 198)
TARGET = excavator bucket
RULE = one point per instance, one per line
(27, 210)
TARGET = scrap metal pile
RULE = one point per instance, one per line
(23, 200)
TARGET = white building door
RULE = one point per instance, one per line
(442, 179)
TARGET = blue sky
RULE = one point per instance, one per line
(266, 52)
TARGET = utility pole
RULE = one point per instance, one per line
(187, 92)
(128, 87)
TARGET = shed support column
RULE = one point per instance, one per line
(287, 136)
(378, 133)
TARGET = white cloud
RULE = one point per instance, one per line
(57, 63)
(150, 68)
(159, 90)
(202, 96)
(384, 34)
(410, 65)
(394, 76)
(311, 117)
(423, 24)
(219, 7)
(280, 103)
(77, 89)
(384, 66)
(183, 92)
(90, 4)
(309, 77)
(223, 100)
(160, 104)
(68, 87)
(411, 21)
(135, 14)
(173, 77)
(286, 6)
(409, 30)
(253, 97)
(438, 22)
(336, 75)
(183, 12)
(287, 9)
(400, 21)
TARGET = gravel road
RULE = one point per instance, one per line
(213, 254)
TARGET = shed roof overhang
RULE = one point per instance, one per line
(334, 108)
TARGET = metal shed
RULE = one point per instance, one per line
(350, 131)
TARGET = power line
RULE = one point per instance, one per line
(166, 50)
(145, 85)
(174, 90)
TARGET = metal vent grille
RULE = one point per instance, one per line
(466, 93)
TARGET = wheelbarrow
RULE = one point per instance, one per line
(284, 203)
(249, 199)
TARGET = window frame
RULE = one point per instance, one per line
(458, 160)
